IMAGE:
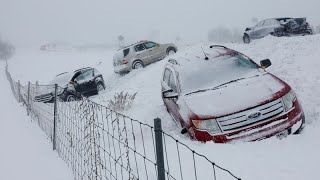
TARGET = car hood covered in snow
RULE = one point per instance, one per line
(234, 97)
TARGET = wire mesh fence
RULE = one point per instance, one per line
(98, 143)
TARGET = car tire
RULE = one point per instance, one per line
(137, 65)
(171, 50)
(246, 39)
(100, 87)
(70, 98)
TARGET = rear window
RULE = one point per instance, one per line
(120, 54)
(126, 52)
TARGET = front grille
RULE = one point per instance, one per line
(246, 118)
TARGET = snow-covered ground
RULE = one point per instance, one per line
(295, 60)
(25, 151)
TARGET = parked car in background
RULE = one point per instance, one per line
(277, 27)
(72, 86)
(140, 54)
(218, 94)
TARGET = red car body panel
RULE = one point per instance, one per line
(260, 130)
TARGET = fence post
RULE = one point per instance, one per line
(55, 116)
(28, 100)
(19, 92)
(159, 149)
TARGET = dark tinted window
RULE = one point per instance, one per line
(139, 47)
(150, 45)
(166, 76)
(126, 52)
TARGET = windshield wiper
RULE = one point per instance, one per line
(219, 86)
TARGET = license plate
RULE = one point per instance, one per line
(282, 134)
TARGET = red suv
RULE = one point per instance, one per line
(218, 94)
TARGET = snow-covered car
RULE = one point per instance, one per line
(140, 54)
(72, 86)
(218, 94)
(277, 27)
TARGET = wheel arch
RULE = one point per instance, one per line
(135, 61)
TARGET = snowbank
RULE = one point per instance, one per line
(25, 152)
(295, 60)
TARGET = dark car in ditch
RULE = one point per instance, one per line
(73, 86)
(277, 27)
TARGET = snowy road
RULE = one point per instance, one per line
(25, 151)
(295, 60)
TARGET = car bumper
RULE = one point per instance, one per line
(122, 68)
(285, 123)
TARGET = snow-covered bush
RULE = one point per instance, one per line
(6, 50)
(121, 101)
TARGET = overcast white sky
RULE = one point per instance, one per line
(35, 22)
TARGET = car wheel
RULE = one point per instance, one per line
(171, 51)
(100, 87)
(71, 98)
(246, 39)
(137, 65)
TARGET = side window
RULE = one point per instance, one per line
(85, 76)
(166, 76)
(126, 52)
(172, 83)
(266, 22)
(260, 24)
(139, 47)
(150, 45)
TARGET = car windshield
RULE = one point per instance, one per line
(62, 79)
(205, 75)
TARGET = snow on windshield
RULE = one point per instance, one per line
(62, 79)
(203, 74)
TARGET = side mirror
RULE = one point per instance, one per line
(265, 63)
(169, 94)
(184, 130)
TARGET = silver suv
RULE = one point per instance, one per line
(140, 54)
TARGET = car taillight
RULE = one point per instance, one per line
(124, 61)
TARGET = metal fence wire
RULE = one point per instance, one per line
(98, 143)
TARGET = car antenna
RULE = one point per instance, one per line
(206, 57)
(98, 63)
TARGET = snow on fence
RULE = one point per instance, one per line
(101, 144)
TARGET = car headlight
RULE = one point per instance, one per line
(288, 100)
(209, 125)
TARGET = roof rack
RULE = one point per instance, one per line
(124, 47)
(61, 74)
(83, 69)
(218, 46)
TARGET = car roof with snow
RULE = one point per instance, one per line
(125, 47)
